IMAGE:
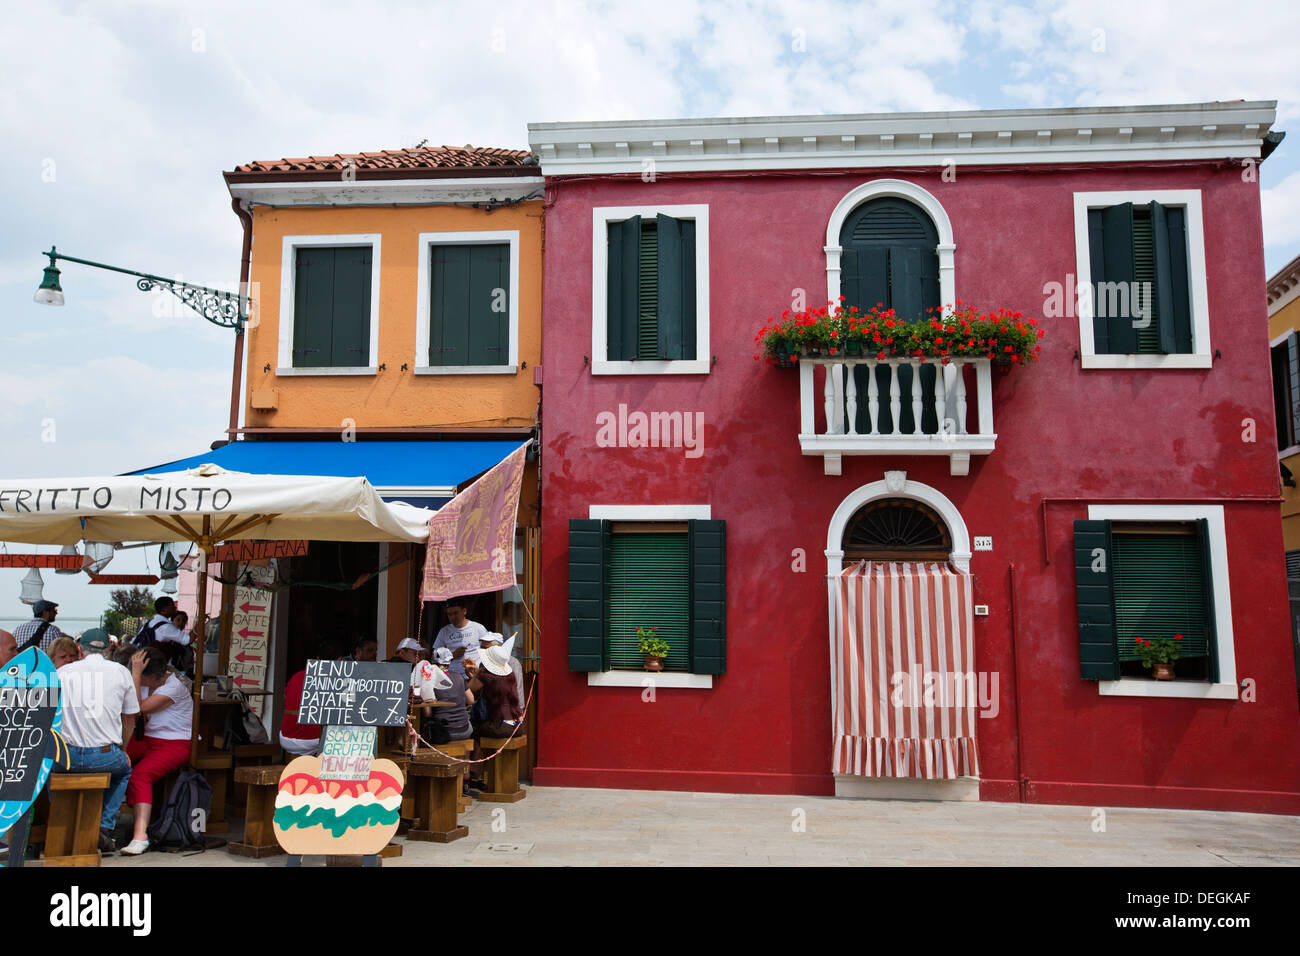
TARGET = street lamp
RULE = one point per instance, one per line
(226, 309)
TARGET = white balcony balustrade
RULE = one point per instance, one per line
(896, 406)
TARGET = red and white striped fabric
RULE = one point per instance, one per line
(903, 672)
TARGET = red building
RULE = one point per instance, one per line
(1123, 488)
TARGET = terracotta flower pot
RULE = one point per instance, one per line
(653, 663)
(1164, 671)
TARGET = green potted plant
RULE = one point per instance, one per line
(652, 648)
(1159, 655)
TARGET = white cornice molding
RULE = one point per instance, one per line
(1284, 286)
(386, 192)
(1202, 131)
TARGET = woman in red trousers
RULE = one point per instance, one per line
(168, 711)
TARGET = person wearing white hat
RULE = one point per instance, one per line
(454, 720)
(409, 651)
(500, 695)
(516, 668)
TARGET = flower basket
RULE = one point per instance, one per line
(1004, 337)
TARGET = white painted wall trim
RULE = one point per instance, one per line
(903, 190)
(423, 291)
(1226, 687)
(386, 192)
(288, 270)
(1198, 293)
(650, 512)
(601, 218)
(658, 680)
(915, 490)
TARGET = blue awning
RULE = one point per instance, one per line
(423, 473)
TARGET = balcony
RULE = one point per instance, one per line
(867, 406)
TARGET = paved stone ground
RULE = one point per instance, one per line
(572, 827)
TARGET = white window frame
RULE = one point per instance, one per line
(1202, 353)
(648, 513)
(288, 270)
(1226, 687)
(600, 363)
(428, 240)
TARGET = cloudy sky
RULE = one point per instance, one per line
(117, 120)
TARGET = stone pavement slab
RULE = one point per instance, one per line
(559, 826)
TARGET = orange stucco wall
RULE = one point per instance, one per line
(1284, 320)
(392, 397)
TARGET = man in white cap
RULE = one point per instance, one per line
(409, 651)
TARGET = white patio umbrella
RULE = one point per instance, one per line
(204, 505)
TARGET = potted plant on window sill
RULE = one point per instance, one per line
(1159, 655)
(651, 648)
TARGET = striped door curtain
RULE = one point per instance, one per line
(904, 686)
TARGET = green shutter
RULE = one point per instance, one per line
(872, 265)
(676, 288)
(587, 546)
(1093, 573)
(489, 286)
(350, 326)
(913, 282)
(1112, 262)
(1160, 588)
(621, 305)
(708, 543)
(1145, 295)
(1293, 377)
(647, 293)
(313, 309)
(1169, 241)
(648, 585)
(449, 306)
(1207, 584)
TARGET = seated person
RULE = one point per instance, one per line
(367, 649)
(494, 683)
(454, 720)
(409, 651)
(64, 650)
(303, 740)
(168, 711)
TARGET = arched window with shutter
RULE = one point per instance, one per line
(890, 256)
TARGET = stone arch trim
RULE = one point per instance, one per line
(915, 490)
(903, 190)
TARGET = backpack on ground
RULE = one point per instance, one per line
(177, 825)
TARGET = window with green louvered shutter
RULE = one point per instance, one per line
(1140, 287)
(648, 585)
(469, 308)
(1159, 591)
(331, 306)
(650, 289)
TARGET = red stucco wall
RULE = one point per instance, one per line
(1062, 433)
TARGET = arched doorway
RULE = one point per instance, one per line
(901, 626)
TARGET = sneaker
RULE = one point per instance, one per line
(135, 848)
(107, 845)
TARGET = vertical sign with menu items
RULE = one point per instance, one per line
(250, 636)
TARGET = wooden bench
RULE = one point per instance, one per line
(261, 785)
(252, 755)
(72, 833)
(503, 771)
(435, 781)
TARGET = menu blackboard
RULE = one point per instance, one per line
(355, 694)
(29, 706)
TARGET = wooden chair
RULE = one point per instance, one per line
(503, 772)
(261, 784)
(462, 749)
(434, 781)
(72, 833)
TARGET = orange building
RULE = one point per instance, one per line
(395, 333)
